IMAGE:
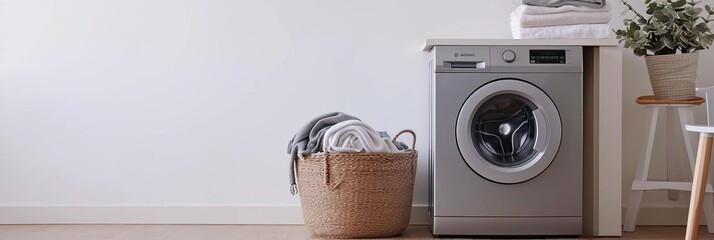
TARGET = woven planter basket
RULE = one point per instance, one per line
(672, 76)
(357, 195)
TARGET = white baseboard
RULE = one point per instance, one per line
(164, 215)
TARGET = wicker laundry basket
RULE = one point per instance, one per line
(357, 195)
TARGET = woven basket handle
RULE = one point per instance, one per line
(326, 171)
(407, 131)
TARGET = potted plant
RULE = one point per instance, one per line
(669, 38)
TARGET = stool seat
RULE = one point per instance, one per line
(650, 100)
(700, 128)
(684, 109)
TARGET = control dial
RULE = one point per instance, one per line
(508, 56)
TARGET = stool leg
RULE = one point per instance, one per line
(686, 117)
(642, 169)
(674, 162)
(699, 183)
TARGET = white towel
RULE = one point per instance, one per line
(539, 10)
(556, 19)
(355, 136)
(598, 31)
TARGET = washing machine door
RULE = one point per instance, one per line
(508, 131)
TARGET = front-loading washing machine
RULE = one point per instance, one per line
(506, 140)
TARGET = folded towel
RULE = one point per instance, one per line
(558, 3)
(564, 18)
(538, 10)
(355, 136)
(309, 139)
(598, 31)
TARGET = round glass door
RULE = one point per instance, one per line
(503, 130)
(508, 131)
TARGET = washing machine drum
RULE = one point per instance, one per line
(508, 131)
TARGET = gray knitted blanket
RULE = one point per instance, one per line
(309, 139)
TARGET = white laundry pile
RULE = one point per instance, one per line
(567, 21)
(355, 136)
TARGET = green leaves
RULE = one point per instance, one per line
(678, 4)
(688, 25)
(658, 46)
(662, 17)
(651, 8)
(701, 28)
(672, 26)
(668, 41)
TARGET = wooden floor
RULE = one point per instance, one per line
(219, 232)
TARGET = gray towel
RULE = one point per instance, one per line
(400, 145)
(558, 3)
(309, 139)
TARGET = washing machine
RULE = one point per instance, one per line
(506, 140)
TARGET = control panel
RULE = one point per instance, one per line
(546, 56)
(508, 58)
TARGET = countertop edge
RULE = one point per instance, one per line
(429, 43)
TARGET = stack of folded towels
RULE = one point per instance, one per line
(561, 19)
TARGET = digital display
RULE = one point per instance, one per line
(547, 57)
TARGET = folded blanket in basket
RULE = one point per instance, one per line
(309, 139)
(598, 31)
(558, 3)
(355, 136)
(519, 18)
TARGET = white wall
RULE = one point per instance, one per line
(152, 103)
(129, 102)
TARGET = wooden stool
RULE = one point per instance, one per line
(641, 183)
